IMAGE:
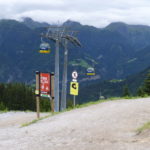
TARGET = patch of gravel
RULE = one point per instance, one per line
(106, 126)
(16, 118)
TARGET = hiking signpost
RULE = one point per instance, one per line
(44, 88)
(74, 86)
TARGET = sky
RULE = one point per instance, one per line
(97, 13)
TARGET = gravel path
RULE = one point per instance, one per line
(106, 126)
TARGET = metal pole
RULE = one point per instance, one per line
(64, 80)
(56, 35)
(56, 80)
(74, 101)
(52, 92)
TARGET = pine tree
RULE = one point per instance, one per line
(147, 84)
(126, 92)
(140, 92)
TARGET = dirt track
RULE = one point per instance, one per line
(106, 126)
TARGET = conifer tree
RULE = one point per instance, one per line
(147, 84)
(140, 92)
(126, 92)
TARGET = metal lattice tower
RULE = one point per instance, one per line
(60, 35)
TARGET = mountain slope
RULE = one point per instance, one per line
(18, 52)
(139, 35)
(109, 50)
(111, 88)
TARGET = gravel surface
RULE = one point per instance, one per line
(106, 126)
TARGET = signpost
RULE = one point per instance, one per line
(37, 92)
(74, 86)
(44, 88)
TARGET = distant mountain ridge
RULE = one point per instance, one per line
(115, 51)
(33, 24)
(138, 34)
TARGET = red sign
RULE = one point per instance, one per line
(45, 83)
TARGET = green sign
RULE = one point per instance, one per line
(45, 95)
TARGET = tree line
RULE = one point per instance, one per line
(19, 96)
(142, 91)
(145, 88)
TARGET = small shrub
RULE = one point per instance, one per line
(3, 107)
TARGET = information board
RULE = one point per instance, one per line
(45, 82)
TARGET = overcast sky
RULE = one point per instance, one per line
(98, 13)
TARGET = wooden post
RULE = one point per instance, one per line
(52, 105)
(37, 92)
(52, 92)
(38, 106)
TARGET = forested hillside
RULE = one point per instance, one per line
(137, 84)
(18, 96)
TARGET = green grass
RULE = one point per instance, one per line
(106, 100)
(90, 103)
(116, 81)
(35, 121)
(3, 111)
(94, 102)
(135, 97)
(146, 126)
(80, 62)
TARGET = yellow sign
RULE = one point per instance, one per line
(74, 88)
(37, 92)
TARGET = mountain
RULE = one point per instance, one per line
(115, 51)
(19, 57)
(119, 49)
(33, 24)
(138, 35)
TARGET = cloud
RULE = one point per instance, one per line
(92, 12)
